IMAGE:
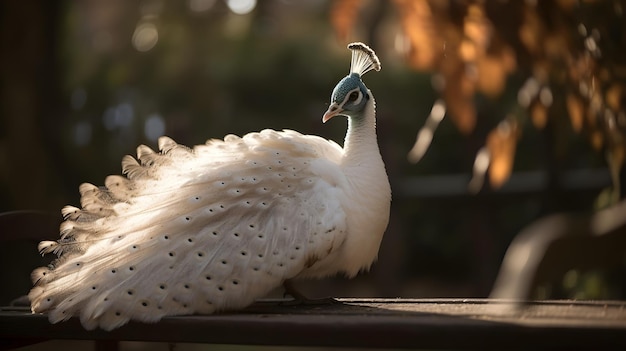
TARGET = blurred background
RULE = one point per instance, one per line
(491, 114)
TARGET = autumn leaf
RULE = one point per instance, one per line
(343, 16)
(493, 71)
(501, 143)
(477, 27)
(458, 94)
(614, 96)
(422, 32)
(538, 115)
(576, 112)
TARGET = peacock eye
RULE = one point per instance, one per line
(353, 96)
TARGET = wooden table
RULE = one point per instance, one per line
(373, 323)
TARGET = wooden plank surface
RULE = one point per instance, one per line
(374, 323)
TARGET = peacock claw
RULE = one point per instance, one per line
(323, 301)
(299, 299)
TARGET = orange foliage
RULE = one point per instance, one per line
(422, 32)
(501, 143)
(558, 45)
(576, 111)
(343, 16)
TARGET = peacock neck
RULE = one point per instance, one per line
(368, 193)
(361, 144)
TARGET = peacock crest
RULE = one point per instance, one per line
(363, 60)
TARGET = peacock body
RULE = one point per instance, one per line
(194, 231)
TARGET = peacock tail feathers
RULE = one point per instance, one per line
(234, 230)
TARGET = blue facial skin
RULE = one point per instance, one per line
(345, 87)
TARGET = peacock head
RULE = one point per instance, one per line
(350, 95)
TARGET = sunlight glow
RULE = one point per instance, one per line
(145, 37)
(241, 7)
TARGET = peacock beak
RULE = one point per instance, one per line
(332, 111)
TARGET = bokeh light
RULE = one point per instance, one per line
(145, 37)
(82, 133)
(241, 7)
(154, 127)
(118, 117)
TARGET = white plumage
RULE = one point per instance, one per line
(220, 225)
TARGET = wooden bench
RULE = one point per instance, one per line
(464, 324)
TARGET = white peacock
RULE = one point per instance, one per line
(195, 231)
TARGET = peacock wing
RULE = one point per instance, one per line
(195, 230)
